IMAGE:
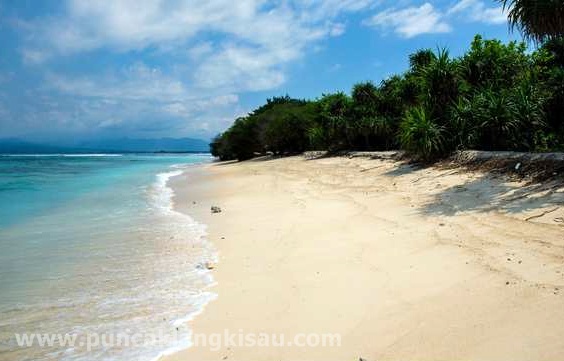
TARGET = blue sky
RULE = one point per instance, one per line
(82, 69)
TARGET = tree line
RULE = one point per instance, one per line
(496, 96)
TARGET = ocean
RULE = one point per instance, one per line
(91, 247)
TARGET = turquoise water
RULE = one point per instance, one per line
(92, 244)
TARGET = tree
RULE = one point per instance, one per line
(441, 85)
(421, 135)
(496, 96)
(335, 111)
(537, 20)
(489, 63)
(420, 59)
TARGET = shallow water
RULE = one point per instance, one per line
(90, 245)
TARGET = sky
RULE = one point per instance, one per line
(88, 69)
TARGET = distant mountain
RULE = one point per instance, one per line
(148, 145)
(18, 146)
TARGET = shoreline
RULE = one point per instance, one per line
(403, 262)
(165, 180)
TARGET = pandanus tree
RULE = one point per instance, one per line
(364, 111)
(538, 20)
(441, 84)
(420, 59)
(420, 134)
(334, 114)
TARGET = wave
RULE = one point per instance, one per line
(63, 155)
(163, 201)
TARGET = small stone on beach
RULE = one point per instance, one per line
(215, 209)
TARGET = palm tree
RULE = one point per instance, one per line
(420, 59)
(538, 20)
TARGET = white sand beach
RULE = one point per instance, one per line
(403, 263)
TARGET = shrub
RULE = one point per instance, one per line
(420, 135)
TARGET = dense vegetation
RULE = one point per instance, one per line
(494, 97)
(537, 20)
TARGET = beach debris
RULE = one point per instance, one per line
(517, 166)
(215, 209)
(206, 265)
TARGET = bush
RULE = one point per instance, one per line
(420, 135)
(286, 134)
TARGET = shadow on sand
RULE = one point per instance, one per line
(488, 193)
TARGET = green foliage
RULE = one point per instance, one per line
(242, 139)
(496, 96)
(489, 63)
(421, 135)
(421, 59)
(286, 134)
(496, 120)
(441, 84)
(221, 148)
(317, 136)
(335, 119)
(367, 124)
(463, 124)
(538, 20)
(529, 106)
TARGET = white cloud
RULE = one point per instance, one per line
(136, 100)
(206, 52)
(253, 39)
(137, 82)
(426, 19)
(476, 10)
(244, 67)
(411, 21)
(124, 25)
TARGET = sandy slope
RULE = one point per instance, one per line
(404, 263)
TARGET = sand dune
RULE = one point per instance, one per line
(404, 263)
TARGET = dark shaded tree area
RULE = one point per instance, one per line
(494, 97)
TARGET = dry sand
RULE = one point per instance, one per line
(404, 263)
